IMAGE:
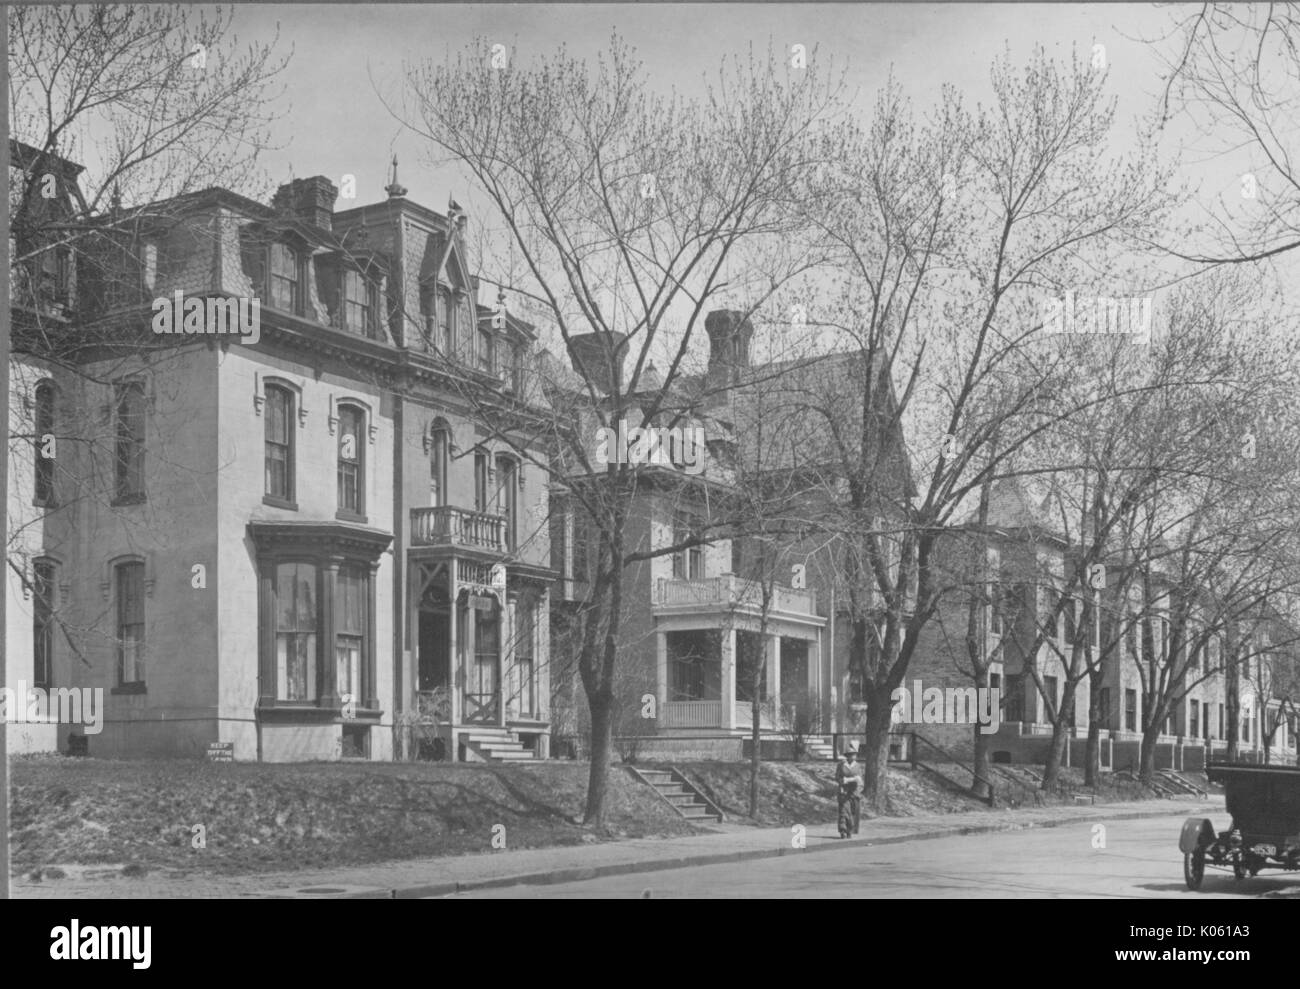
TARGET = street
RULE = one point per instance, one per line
(1140, 859)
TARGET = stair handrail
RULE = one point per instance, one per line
(1012, 778)
(687, 781)
(992, 797)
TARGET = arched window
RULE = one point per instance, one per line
(130, 412)
(129, 581)
(480, 481)
(508, 497)
(45, 443)
(279, 443)
(351, 468)
(43, 583)
(446, 322)
(439, 462)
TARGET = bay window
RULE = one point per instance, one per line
(316, 624)
(297, 625)
(350, 628)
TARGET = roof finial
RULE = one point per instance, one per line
(394, 189)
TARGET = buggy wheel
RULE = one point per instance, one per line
(1194, 868)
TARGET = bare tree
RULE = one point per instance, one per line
(1230, 73)
(623, 210)
(108, 105)
(958, 236)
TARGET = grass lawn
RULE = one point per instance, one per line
(261, 817)
(258, 817)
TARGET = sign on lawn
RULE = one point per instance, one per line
(221, 752)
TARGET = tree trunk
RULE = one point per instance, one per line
(875, 751)
(1060, 735)
(755, 712)
(1092, 754)
(980, 749)
(1147, 759)
(602, 722)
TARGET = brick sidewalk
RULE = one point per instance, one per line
(439, 876)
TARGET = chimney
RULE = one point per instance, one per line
(594, 351)
(310, 200)
(729, 334)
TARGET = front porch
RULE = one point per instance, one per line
(709, 648)
(477, 624)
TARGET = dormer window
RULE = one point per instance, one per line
(437, 306)
(446, 322)
(517, 367)
(285, 281)
(360, 304)
(487, 350)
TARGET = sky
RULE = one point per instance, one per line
(338, 125)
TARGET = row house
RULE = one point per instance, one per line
(301, 542)
(695, 629)
(1028, 564)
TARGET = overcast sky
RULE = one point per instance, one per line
(338, 125)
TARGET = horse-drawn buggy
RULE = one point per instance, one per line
(1264, 802)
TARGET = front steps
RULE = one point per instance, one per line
(488, 744)
(680, 794)
(818, 747)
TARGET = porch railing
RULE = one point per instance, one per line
(691, 714)
(449, 526)
(729, 590)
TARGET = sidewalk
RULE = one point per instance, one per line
(724, 843)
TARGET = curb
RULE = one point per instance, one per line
(580, 874)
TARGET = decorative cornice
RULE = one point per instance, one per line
(323, 538)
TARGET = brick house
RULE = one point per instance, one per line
(308, 547)
(691, 620)
(1028, 558)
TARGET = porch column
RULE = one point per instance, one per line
(502, 670)
(661, 673)
(773, 658)
(814, 685)
(728, 662)
(453, 649)
(415, 577)
(542, 659)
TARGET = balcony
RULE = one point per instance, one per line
(729, 593)
(458, 528)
